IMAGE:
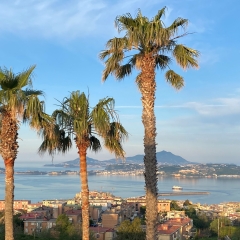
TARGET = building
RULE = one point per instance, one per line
(17, 204)
(57, 205)
(168, 232)
(103, 233)
(74, 216)
(163, 205)
(175, 228)
(32, 226)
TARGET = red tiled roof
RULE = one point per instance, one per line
(170, 230)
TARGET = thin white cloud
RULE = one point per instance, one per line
(66, 19)
(217, 107)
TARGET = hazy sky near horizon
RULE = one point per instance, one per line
(201, 122)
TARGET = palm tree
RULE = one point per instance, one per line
(18, 102)
(146, 46)
(75, 120)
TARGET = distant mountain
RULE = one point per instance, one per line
(163, 157)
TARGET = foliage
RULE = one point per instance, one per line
(223, 227)
(130, 230)
(142, 210)
(187, 203)
(199, 221)
(174, 206)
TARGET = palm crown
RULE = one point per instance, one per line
(147, 37)
(18, 97)
(75, 119)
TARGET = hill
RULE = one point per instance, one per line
(163, 157)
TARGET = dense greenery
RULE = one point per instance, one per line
(130, 230)
(174, 206)
(222, 227)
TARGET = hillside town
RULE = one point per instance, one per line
(107, 212)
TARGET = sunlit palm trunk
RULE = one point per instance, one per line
(9, 148)
(148, 88)
(9, 197)
(85, 191)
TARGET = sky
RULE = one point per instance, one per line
(201, 122)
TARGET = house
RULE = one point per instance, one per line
(175, 228)
(168, 232)
(103, 233)
(17, 204)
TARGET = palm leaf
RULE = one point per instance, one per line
(174, 79)
(185, 57)
(162, 61)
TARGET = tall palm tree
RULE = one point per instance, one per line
(76, 120)
(148, 45)
(18, 102)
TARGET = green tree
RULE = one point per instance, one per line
(130, 230)
(146, 46)
(218, 226)
(75, 120)
(18, 102)
(174, 206)
(187, 203)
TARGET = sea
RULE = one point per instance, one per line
(42, 187)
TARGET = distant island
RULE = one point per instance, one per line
(163, 158)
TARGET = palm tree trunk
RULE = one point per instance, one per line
(147, 87)
(9, 198)
(84, 190)
(8, 150)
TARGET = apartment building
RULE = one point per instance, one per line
(17, 204)
(57, 205)
(95, 212)
(32, 226)
(33, 206)
(163, 205)
(74, 216)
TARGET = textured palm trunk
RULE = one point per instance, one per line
(9, 148)
(9, 198)
(147, 86)
(84, 190)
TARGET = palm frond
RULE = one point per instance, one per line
(174, 79)
(25, 77)
(179, 22)
(123, 71)
(186, 57)
(95, 144)
(160, 14)
(162, 61)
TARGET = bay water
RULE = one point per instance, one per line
(41, 187)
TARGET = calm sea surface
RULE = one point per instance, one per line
(39, 187)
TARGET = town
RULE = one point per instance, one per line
(107, 212)
(184, 171)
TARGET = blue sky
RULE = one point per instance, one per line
(63, 38)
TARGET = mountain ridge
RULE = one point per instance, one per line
(163, 157)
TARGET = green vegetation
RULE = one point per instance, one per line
(174, 206)
(225, 228)
(130, 230)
